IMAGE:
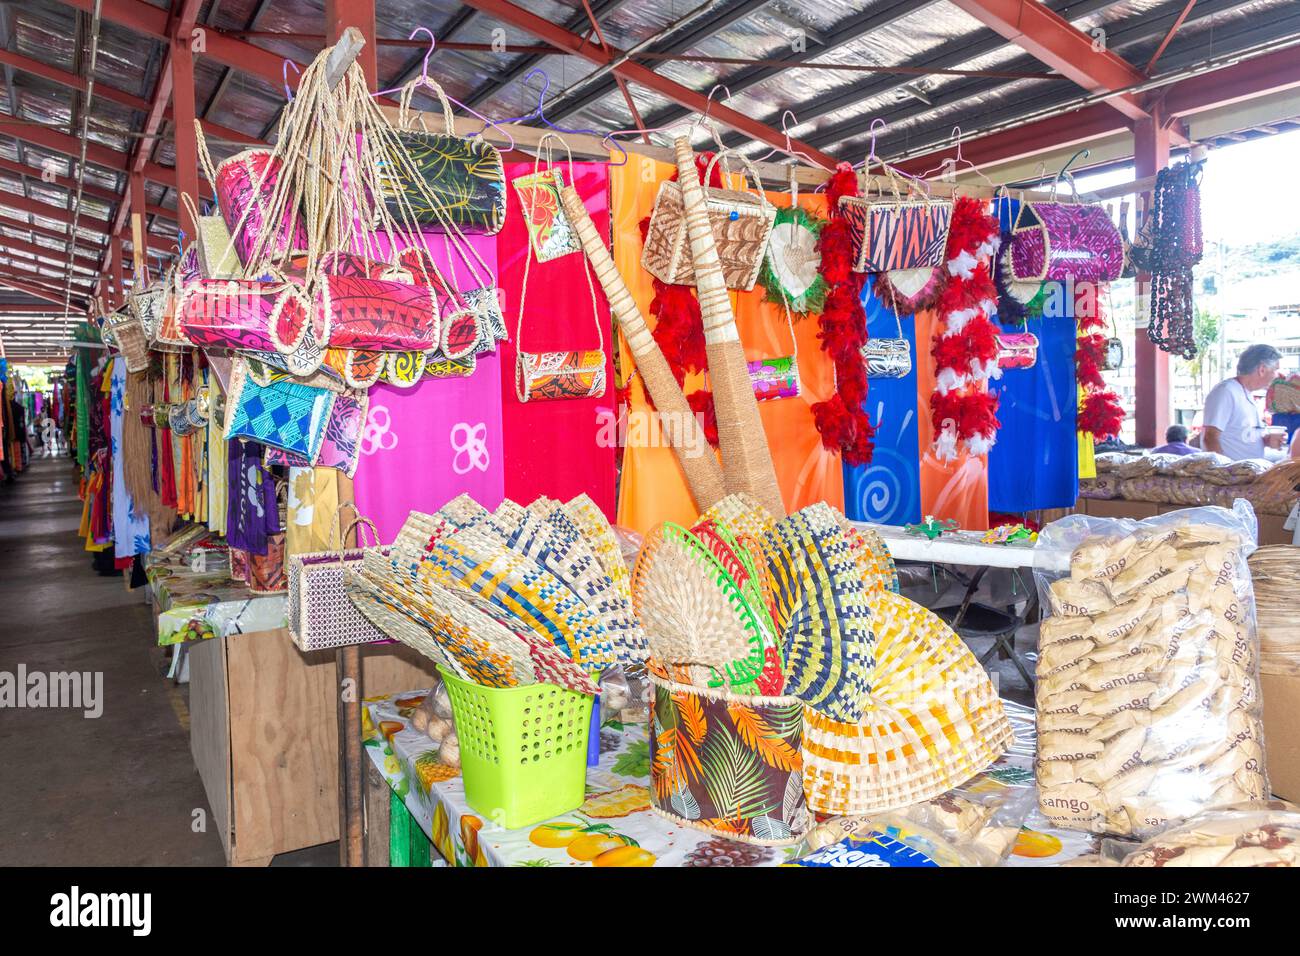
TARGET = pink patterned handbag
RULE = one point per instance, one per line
(255, 315)
(378, 314)
(244, 184)
(1059, 242)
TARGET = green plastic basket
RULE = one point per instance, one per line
(523, 750)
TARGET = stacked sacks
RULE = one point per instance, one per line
(1148, 694)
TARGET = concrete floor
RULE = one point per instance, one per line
(117, 790)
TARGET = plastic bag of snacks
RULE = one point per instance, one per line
(959, 828)
(1246, 834)
(1148, 688)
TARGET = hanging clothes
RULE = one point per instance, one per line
(130, 527)
(888, 490)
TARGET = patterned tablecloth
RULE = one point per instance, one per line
(195, 605)
(617, 813)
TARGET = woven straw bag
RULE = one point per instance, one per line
(123, 330)
(320, 614)
(1284, 396)
(741, 223)
(896, 234)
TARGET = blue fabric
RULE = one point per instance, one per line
(1035, 462)
(889, 489)
(1288, 420)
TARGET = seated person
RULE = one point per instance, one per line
(1175, 442)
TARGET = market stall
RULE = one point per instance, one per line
(468, 436)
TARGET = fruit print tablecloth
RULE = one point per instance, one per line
(616, 827)
(196, 605)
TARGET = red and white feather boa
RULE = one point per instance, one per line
(965, 346)
(1100, 412)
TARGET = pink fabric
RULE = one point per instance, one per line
(557, 448)
(423, 446)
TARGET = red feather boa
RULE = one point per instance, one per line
(841, 421)
(1100, 412)
(965, 347)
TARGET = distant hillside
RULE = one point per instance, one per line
(1264, 258)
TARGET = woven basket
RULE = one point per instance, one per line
(1284, 396)
(319, 612)
(127, 334)
(728, 764)
(1275, 573)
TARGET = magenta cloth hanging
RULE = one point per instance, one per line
(565, 447)
(423, 446)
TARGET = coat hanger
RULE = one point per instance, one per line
(699, 119)
(789, 149)
(424, 80)
(950, 165)
(539, 112)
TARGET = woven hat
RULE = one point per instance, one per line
(933, 720)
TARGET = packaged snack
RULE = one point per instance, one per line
(1148, 686)
(1245, 834)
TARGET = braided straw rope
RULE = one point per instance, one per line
(746, 457)
(703, 474)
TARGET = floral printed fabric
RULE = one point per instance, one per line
(130, 528)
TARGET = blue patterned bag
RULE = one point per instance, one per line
(283, 413)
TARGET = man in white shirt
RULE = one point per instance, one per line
(1233, 424)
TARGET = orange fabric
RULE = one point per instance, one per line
(651, 488)
(949, 489)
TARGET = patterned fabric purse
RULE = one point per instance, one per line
(551, 375)
(888, 358)
(283, 413)
(1017, 349)
(728, 763)
(549, 232)
(897, 234)
(1057, 241)
(319, 612)
(777, 377)
(341, 445)
(464, 178)
(741, 221)
(256, 316)
(244, 184)
(123, 330)
(167, 335)
(377, 314)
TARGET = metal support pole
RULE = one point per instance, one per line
(1151, 365)
(187, 150)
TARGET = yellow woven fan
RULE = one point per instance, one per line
(933, 720)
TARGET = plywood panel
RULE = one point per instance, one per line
(393, 668)
(210, 729)
(284, 742)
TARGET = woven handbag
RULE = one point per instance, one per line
(283, 413)
(888, 358)
(897, 233)
(123, 330)
(549, 232)
(244, 185)
(741, 222)
(213, 249)
(320, 614)
(166, 335)
(463, 181)
(377, 314)
(1056, 242)
(266, 571)
(255, 315)
(777, 377)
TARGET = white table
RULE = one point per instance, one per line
(965, 547)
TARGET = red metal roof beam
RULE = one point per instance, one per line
(1052, 39)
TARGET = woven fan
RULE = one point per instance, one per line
(821, 614)
(598, 534)
(743, 514)
(906, 291)
(514, 582)
(792, 266)
(555, 543)
(933, 720)
(875, 563)
(695, 616)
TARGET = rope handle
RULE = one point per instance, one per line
(404, 105)
(748, 164)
